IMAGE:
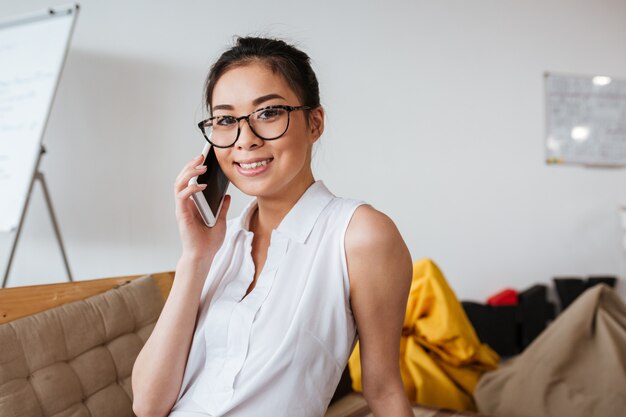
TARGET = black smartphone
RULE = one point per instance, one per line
(209, 201)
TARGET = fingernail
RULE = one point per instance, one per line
(200, 167)
(202, 186)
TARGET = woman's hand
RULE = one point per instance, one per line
(199, 241)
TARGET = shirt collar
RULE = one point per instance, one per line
(299, 221)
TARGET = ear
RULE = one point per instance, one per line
(316, 123)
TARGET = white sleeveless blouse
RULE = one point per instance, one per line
(281, 350)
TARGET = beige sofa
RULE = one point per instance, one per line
(67, 350)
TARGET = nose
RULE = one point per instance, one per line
(247, 139)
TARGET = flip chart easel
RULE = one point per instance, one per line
(33, 49)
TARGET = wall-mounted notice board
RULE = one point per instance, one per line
(585, 120)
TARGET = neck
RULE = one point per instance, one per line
(271, 210)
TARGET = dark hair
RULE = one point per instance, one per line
(284, 59)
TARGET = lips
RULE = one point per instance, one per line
(254, 162)
(252, 167)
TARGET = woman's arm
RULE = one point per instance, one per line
(380, 269)
(159, 368)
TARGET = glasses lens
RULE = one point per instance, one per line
(270, 123)
(222, 130)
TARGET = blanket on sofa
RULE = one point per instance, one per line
(575, 368)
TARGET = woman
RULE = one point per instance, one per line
(264, 311)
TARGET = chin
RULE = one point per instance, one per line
(254, 187)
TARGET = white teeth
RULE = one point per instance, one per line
(254, 164)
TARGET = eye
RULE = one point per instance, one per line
(225, 121)
(270, 114)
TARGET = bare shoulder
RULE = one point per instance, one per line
(374, 244)
(370, 229)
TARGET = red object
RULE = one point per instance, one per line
(507, 297)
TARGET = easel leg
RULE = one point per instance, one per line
(17, 234)
(38, 176)
(57, 232)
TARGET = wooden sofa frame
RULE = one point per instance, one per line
(17, 302)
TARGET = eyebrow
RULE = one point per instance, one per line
(255, 102)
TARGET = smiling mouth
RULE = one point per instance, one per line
(256, 164)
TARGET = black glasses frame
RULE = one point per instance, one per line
(247, 119)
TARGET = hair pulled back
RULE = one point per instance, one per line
(283, 59)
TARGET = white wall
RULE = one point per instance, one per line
(435, 116)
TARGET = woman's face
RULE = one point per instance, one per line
(239, 92)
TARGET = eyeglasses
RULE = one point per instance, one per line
(268, 123)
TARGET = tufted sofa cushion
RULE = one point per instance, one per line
(76, 360)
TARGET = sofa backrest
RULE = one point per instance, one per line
(76, 359)
(16, 302)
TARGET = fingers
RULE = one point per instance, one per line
(189, 167)
(190, 170)
(186, 192)
(194, 162)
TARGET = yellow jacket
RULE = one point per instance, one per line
(441, 358)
